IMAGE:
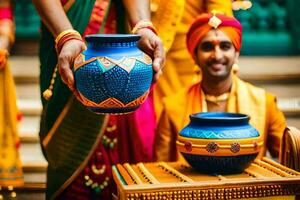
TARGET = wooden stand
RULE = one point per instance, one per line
(262, 179)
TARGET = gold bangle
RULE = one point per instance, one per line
(65, 32)
(143, 24)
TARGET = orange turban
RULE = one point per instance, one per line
(229, 25)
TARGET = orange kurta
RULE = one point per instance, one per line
(172, 20)
(244, 98)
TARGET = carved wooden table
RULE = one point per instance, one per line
(263, 179)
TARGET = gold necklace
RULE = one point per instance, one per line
(217, 99)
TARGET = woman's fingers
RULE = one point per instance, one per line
(69, 52)
(152, 45)
(159, 56)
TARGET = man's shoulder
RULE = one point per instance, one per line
(269, 96)
(249, 85)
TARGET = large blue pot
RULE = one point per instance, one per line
(113, 75)
(219, 142)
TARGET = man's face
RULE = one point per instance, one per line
(215, 55)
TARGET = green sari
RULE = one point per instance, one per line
(69, 132)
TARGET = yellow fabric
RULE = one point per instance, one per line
(172, 20)
(10, 164)
(244, 98)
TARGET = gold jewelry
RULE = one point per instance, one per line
(97, 171)
(111, 128)
(59, 40)
(97, 187)
(143, 24)
(217, 99)
(241, 4)
(47, 94)
(235, 68)
(66, 32)
(214, 21)
(108, 142)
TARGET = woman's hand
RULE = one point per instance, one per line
(4, 42)
(151, 44)
(70, 50)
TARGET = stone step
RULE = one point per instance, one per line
(293, 121)
(26, 68)
(281, 90)
(290, 106)
(269, 68)
(28, 91)
(32, 156)
(30, 106)
(25, 47)
(29, 128)
(31, 91)
(35, 167)
(31, 109)
(29, 103)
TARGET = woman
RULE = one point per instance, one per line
(80, 146)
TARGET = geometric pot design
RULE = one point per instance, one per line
(112, 75)
(219, 142)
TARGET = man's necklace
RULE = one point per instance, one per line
(217, 99)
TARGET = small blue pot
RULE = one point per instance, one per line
(113, 75)
(219, 142)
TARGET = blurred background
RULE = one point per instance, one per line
(270, 59)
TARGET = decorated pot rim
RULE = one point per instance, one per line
(215, 117)
(115, 38)
(219, 147)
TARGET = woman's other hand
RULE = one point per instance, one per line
(151, 44)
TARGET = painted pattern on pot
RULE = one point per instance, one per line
(112, 75)
(219, 142)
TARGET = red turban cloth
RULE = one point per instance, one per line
(229, 25)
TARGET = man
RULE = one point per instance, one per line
(172, 19)
(214, 41)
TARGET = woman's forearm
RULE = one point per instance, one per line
(137, 10)
(53, 15)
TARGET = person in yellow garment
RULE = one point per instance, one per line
(172, 20)
(214, 41)
(10, 164)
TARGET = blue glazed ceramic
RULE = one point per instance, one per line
(219, 142)
(113, 75)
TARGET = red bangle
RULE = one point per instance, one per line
(143, 24)
(64, 37)
(150, 28)
(64, 40)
